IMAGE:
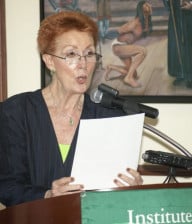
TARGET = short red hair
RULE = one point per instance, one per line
(56, 24)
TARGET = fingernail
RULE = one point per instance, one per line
(128, 169)
(115, 180)
(119, 175)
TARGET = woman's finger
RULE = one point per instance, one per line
(136, 175)
(62, 182)
(127, 180)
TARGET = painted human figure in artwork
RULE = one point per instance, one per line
(123, 46)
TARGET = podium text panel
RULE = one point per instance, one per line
(173, 205)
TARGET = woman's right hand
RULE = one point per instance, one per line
(63, 186)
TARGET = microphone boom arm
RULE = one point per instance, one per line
(168, 139)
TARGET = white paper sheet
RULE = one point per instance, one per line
(106, 147)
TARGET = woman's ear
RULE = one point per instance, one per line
(48, 61)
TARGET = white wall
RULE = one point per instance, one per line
(23, 62)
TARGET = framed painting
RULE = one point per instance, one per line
(146, 46)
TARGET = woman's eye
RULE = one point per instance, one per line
(71, 54)
(90, 54)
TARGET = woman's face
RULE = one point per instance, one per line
(74, 74)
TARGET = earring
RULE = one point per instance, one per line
(52, 72)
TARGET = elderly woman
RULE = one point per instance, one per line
(39, 129)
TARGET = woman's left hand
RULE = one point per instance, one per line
(127, 180)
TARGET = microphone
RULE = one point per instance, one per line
(169, 159)
(108, 97)
(108, 89)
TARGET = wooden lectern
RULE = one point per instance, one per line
(58, 210)
(95, 206)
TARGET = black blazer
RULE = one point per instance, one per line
(29, 155)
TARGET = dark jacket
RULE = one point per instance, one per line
(29, 155)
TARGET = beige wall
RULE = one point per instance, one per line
(24, 74)
(23, 64)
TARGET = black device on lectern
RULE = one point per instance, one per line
(168, 159)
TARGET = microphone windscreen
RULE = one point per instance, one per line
(96, 95)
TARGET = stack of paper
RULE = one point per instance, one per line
(106, 147)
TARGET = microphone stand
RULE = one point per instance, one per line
(168, 139)
(171, 176)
